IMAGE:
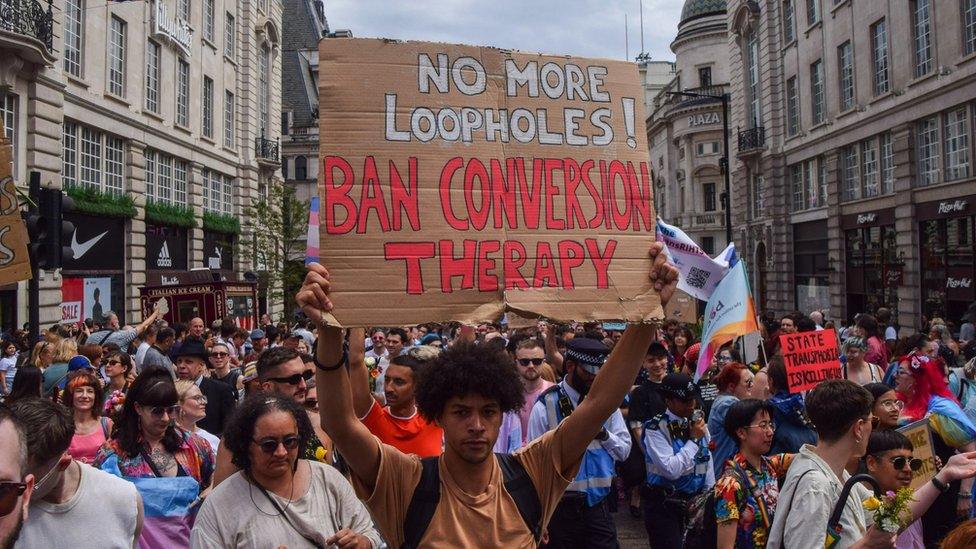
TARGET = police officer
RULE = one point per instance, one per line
(679, 464)
(582, 519)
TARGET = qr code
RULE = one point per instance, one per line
(697, 278)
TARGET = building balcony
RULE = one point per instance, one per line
(267, 150)
(752, 141)
(27, 27)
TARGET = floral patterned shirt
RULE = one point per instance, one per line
(195, 457)
(738, 502)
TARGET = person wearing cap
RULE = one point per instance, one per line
(679, 463)
(259, 341)
(191, 361)
(249, 376)
(582, 516)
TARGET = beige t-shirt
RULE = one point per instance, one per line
(489, 519)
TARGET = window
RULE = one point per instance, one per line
(228, 204)
(228, 119)
(152, 76)
(817, 92)
(152, 193)
(183, 94)
(180, 170)
(813, 12)
(707, 148)
(264, 80)
(230, 36)
(91, 158)
(752, 77)
(927, 145)
(116, 57)
(822, 180)
(8, 115)
(796, 184)
(869, 167)
(708, 244)
(879, 56)
(811, 185)
(956, 144)
(301, 168)
(887, 164)
(757, 195)
(922, 37)
(208, 107)
(73, 29)
(705, 76)
(851, 181)
(845, 64)
(183, 10)
(789, 28)
(792, 107)
(708, 196)
(969, 26)
(165, 181)
(217, 192)
(209, 23)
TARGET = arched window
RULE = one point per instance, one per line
(301, 168)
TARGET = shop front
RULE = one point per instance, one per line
(810, 267)
(874, 269)
(166, 253)
(947, 232)
(93, 281)
(218, 252)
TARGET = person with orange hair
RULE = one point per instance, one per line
(961, 537)
(734, 382)
(83, 395)
(921, 385)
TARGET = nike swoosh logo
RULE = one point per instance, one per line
(80, 249)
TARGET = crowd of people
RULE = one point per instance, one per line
(449, 435)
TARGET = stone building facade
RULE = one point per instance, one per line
(174, 103)
(853, 165)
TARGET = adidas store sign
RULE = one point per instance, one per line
(164, 260)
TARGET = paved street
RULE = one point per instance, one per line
(630, 530)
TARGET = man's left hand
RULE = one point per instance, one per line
(663, 275)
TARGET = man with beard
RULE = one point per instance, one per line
(582, 517)
(398, 423)
(73, 504)
(530, 359)
(16, 484)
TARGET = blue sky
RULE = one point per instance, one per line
(591, 28)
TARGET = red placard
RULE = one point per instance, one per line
(72, 299)
(810, 357)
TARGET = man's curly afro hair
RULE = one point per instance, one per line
(464, 369)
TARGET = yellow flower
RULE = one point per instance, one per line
(872, 503)
(320, 454)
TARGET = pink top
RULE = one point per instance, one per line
(526, 410)
(84, 447)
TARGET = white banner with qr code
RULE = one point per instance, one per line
(699, 274)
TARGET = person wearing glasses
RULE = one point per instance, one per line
(530, 360)
(191, 363)
(16, 482)
(83, 397)
(220, 359)
(171, 468)
(277, 498)
(73, 504)
(889, 460)
(193, 408)
(118, 367)
(734, 383)
(887, 407)
(747, 491)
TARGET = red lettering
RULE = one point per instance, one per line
(553, 224)
(605, 184)
(503, 194)
(621, 218)
(411, 253)
(641, 191)
(601, 260)
(371, 198)
(337, 196)
(487, 279)
(597, 218)
(447, 174)
(571, 181)
(545, 267)
(478, 216)
(404, 199)
(513, 257)
(531, 198)
(570, 257)
(452, 267)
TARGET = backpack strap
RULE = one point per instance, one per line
(104, 421)
(423, 503)
(519, 485)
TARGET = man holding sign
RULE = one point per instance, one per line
(461, 499)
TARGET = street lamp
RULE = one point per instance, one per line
(724, 161)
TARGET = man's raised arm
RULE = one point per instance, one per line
(336, 412)
(617, 375)
(362, 399)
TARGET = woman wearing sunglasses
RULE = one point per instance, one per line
(921, 385)
(170, 467)
(193, 408)
(118, 366)
(277, 499)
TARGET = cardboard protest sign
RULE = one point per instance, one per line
(810, 357)
(460, 182)
(920, 434)
(14, 261)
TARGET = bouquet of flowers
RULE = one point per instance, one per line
(891, 512)
(373, 367)
(113, 404)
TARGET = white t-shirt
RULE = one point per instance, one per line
(101, 515)
(238, 515)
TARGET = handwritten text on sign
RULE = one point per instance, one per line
(810, 357)
(921, 437)
(460, 181)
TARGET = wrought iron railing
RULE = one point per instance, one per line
(751, 139)
(266, 149)
(29, 18)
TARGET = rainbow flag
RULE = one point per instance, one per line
(730, 313)
(312, 240)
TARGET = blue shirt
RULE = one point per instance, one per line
(723, 446)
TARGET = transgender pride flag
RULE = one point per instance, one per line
(312, 240)
(729, 314)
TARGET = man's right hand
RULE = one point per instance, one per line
(697, 429)
(313, 296)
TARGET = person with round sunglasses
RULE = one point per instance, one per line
(168, 465)
(220, 360)
(889, 460)
(16, 483)
(118, 368)
(193, 408)
(276, 498)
